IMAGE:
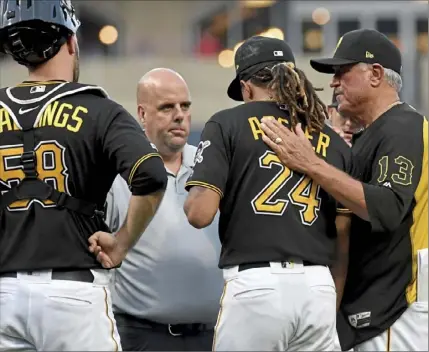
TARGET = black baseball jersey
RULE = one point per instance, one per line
(82, 141)
(267, 211)
(391, 159)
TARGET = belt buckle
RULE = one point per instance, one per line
(172, 333)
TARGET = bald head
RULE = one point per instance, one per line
(156, 78)
(163, 101)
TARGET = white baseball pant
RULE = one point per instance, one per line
(410, 331)
(39, 313)
(284, 307)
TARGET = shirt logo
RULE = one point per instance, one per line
(199, 154)
(23, 111)
(37, 89)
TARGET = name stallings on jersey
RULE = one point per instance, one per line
(56, 114)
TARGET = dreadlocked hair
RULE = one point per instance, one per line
(290, 87)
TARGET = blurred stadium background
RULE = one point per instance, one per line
(121, 40)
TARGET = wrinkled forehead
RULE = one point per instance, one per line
(172, 92)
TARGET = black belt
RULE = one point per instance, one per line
(248, 266)
(127, 320)
(75, 275)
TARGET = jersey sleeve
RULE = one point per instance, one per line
(211, 160)
(396, 172)
(132, 155)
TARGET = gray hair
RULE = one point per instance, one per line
(392, 78)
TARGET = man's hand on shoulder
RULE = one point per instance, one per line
(107, 249)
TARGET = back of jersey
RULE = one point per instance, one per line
(268, 212)
(68, 132)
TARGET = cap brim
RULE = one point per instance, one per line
(234, 90)
(328, 65)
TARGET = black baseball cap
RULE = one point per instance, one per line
(251, 54)
(362, 45)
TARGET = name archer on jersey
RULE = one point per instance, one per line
(321, 147)
(59, 115)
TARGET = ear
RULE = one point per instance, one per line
(71, 43)
(246, 91)
(377, 74)
(141, 114)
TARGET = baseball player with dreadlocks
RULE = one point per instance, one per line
(278, 228)
(61, 146)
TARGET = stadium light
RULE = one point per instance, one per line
(236, 47)
(321, 16)
(257, 3)
(226, 58)
(273, 32)
(108, 35)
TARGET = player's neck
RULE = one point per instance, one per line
(50, 71)
(379, 106)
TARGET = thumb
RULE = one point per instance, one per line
(105, 260)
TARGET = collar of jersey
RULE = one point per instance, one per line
(39, 83)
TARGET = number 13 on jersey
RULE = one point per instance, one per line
(305, 194)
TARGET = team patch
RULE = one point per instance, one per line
(199, 154)
(360, 320)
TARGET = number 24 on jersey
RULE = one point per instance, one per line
(305, 194)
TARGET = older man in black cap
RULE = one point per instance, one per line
(384, 307)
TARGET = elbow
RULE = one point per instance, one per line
(386, 222)
(197, 217)
(198, 222)
(388, 226)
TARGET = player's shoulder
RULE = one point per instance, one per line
(224, 116)
(242, 111)
(401, 120)
(108, 110)
(92, 93)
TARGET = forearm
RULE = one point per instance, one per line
(141, 211)
(201, 206)
(346, 190)
(340, 267)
